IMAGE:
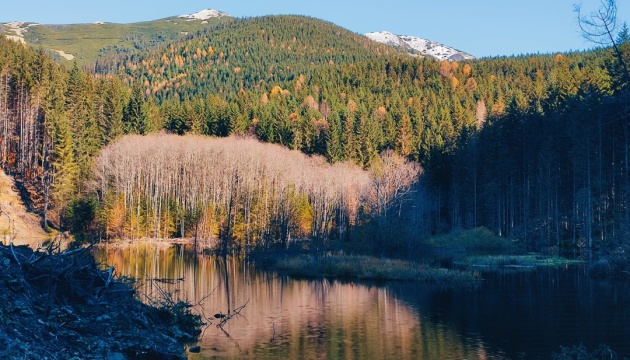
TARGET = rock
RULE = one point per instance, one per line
(195, 349)
(103, 318)
(115, 356)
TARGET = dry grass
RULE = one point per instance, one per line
(372, 268)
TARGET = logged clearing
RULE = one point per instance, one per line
(15, 221)
(63, 306)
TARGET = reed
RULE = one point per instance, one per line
(512, 261)
(372, 268)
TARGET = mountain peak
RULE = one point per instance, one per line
(423, 46)
(204, 15)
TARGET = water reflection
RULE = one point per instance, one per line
(512, 316)
(295, 319)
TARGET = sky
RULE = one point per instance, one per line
(480, 27)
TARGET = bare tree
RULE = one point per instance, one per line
(239, 192)
(393, 177)
(600, 27)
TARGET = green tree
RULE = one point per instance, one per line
(135, 117)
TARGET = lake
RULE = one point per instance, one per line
(513, 315)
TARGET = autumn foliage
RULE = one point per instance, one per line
(238, 191)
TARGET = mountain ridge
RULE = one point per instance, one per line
(85, 43)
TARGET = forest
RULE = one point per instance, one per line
(368, 142)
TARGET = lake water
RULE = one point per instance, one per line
(526, 315)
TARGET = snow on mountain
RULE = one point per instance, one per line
(18, 28)
(204, 15)
(423, 46)
(385, 38)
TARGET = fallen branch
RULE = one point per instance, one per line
(110, 275)
(15, 256)
(227, 317)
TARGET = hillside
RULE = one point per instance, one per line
(244, 54)
(85, 43)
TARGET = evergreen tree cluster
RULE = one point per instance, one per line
(53, 121)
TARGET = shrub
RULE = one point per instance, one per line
(478, 240)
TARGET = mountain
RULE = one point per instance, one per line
(85, 43)
(245, 53)
(419, 45)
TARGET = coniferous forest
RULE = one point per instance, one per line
(303, 130)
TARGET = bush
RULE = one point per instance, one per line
(612, 267)
(478, 240)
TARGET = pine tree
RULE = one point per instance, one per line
(135, 118)
(65, 170)
(111, 111)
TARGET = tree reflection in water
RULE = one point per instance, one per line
(510, 317)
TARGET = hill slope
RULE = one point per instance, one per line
(15, 221)
(85, 43)
(244, 54)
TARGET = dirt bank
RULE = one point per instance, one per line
(15, 221)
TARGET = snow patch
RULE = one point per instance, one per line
(19, 29)
(66, 56)
(16, 39)
(424, 46)
(384, 37)
(204, 15)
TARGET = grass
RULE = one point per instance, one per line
(371, 268)
(512, 261)
(88, 42)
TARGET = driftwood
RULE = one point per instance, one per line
(227, 317)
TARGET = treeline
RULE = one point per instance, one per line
(551, 171)
(240, 192)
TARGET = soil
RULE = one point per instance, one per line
(16, 223)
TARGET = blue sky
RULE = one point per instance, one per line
(480, 27)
